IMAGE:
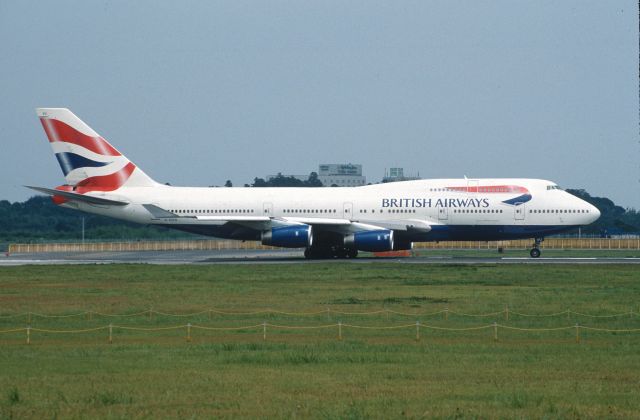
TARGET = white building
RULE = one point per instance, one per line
(397, 174)
(341, 174)
(338, 174)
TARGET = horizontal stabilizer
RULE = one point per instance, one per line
(79, 197)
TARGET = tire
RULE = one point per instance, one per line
(535, 253)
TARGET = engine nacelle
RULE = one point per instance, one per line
(297, 236)
(371, 240)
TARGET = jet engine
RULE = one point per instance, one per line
(296, 236)
(370, 240)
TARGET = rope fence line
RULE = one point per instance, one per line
(340, 326)
(249, 327)
(367, 327)
(476, 315)
(446, 312)
(544, 315)
(86, 330)
(117, 315)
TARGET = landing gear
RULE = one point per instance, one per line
(316, 253)
(535, 251)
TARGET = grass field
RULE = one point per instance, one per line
(309, 372)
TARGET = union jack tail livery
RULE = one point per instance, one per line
(88, 161)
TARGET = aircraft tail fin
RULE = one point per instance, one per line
(88, 161)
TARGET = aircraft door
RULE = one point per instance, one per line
(267, 209)
(347, 211)
(519, 211)
(443, 213)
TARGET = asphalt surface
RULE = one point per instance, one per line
(272, 257)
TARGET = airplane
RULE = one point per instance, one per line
(326, 222)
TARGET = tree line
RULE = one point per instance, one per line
(286, 181)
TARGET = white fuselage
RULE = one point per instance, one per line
(472, 208)
(327, 222)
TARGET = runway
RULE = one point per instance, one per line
(277, 257)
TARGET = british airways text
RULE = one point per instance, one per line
(440, 202)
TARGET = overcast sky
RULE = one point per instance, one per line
(197, 92)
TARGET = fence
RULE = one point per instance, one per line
(191, 245)
(216, 245)
(340, 328)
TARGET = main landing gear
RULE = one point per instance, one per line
(535, 251)
(316, 253)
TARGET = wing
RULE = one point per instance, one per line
(250, 227)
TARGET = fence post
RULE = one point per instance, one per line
(495, 331)
(506, 312)
(264, 330)
(209, 314)
(417, 330)
(446, 313)
(328, 313)
(339, 330)
(29, 317)
(577, 333)
(28, 334)
(150, 313)
(189, 332)
(110, 333)
(568, 314)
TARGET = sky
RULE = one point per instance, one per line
(198, 92)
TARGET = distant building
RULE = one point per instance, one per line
(341, 174)
(397, 174)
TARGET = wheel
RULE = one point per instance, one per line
(352, 253)
(535, 253)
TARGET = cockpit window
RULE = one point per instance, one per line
(553, 187)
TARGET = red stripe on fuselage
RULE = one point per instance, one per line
(492, 189)
(58, 131)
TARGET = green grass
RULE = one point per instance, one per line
(309, 373)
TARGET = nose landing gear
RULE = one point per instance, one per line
(535, 251)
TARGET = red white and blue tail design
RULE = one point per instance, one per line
(88, 161)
